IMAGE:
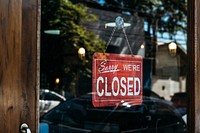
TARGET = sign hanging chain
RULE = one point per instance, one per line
(110, 38)
(129, 46)
(119, 24)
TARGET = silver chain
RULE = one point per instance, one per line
(129, 46)
(110, 38)
(119, 25)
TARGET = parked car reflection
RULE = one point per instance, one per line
(179, 101)
(79, 115)
(49, 99)
(150, 93)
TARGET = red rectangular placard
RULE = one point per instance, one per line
(116, 78)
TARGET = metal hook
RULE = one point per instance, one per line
(119, 21)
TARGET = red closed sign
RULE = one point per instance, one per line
(116, 78)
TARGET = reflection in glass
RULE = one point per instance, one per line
(154, 25)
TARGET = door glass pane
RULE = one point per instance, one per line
(113, 66)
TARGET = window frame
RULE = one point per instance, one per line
(193, 80)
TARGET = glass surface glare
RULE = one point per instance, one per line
(153, 30)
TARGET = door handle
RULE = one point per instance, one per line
(24, 128)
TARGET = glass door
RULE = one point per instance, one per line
(113, 66)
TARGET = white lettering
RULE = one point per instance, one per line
(123, 79)
(106, 87)
(115, 79)
(136, 82)
(129, 86)
(103, 68)
(124, 86)
(131, 67)
(97, 87)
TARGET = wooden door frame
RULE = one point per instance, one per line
(19, 64)
(193, 77)
(31, 21)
